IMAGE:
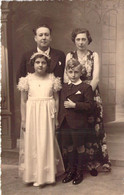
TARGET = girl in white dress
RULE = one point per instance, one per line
(40, 157)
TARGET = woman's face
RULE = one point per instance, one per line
(81, 41)
(40, 66)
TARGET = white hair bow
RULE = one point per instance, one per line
(40, 53)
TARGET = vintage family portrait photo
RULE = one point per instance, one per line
(62, 97)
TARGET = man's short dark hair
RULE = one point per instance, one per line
(39, 26)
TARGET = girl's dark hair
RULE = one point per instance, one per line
(41, 25)
(32, 60)
(77, 31)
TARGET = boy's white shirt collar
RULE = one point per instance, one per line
(77, 83)
(46, 52)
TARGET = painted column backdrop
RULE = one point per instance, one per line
(100, 17)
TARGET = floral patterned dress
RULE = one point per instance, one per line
(95, 145)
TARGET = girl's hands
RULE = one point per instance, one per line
(23, 125)
(69, 104)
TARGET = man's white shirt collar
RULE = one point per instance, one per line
(46, 52)
(77, 83)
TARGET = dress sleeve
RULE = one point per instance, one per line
(57, 84)
(23, 84)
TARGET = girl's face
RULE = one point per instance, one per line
(40, 66)
(81, 41)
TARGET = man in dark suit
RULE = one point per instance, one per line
(42, 37)
(76, 101)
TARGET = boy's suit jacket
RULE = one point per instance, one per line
(57, 64)
(82, 95)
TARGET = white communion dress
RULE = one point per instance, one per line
(40, 158)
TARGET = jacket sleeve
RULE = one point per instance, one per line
(88, 103)
(21, 72)
(63, 65)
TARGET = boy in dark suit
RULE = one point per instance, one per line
(42, 37)
(76, 100)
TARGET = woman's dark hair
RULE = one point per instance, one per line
(41, 25)
(77, 31)
(32, 60)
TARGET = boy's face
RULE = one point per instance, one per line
(43, 38)
(74, 74)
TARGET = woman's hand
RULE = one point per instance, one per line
(23, 124)
(69, 104)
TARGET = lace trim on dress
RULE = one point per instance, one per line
(23, 84)
(56, 83)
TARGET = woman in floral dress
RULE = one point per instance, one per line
(95, 147)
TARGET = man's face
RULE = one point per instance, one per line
(43, 38)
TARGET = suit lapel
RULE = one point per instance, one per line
(54, 59)
(72, 90)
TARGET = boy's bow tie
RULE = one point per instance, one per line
(71, 85)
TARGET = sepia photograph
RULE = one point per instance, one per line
(62, 97)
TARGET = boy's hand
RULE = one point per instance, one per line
(23, 125)
(69, 104)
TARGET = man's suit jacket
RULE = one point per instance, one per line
(82, 95)
(57, 64)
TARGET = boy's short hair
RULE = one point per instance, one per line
(72, 63)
